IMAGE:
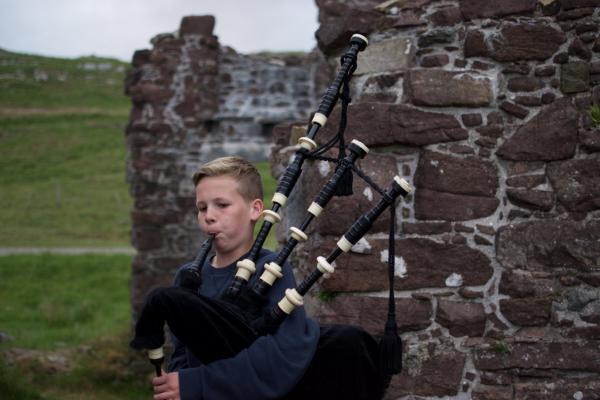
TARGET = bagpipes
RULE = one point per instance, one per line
(248, 303)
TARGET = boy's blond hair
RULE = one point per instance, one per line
(244, 173)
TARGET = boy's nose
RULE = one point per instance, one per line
(209, 216)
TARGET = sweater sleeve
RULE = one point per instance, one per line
(179, 358)
(269, 368)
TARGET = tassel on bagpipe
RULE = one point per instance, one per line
(294, 297)
(247, 267)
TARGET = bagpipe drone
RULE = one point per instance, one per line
(249, 302)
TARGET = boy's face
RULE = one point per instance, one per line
(223, 212)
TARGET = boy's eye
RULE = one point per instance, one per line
(201, 209)
(222, 205)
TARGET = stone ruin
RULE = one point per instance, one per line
(195, 100)
(486, 111)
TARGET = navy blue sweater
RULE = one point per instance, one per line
(269, 368)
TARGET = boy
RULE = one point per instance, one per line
(299, 360)
(229, 202)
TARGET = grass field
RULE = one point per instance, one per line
(69, 316)
(62, 153)
(63, 181)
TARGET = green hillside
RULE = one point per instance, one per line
(68, 85)
(62, 153)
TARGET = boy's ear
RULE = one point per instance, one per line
(256, 209)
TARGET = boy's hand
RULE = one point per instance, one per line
(166, 386)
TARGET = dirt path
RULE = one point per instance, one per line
(66, 250)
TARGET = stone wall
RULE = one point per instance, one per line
(483, 107)
(194, 100)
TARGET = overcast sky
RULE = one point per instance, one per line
(116, 28)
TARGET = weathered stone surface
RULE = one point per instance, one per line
(585, 388)
(521, 284)
(578, 48)
(578, 297)
(475, 45)
(149, 92)
(542, 356)
(140, 57)
(452, 188)
(591, 312)
(533, 199)
(480, 65)
(526, 312)
(525, 41)
(528, 181)
(436, 36)
(435, 87)
(435, 205)
(520, 68)
(548, 98)
(387, 55)
(568, 15)
(592, 279)
(524, 84)
(590, 139)
(197, 25)
(421, 374)
(570, 4)
(561, 58)
(484, 392)
(550, 135)
(460, 63)
(461, 149)
(420, 263)
(470, 294)
(370, 313)
(447, 16)
(549, 244)
(584, 332)
(576, 183)
(574, 77)
(461, 318)
(469, 175)
(514, 109)
(384, 81)
(473, 9)
(588, 37)
(530, 101)
(434, 60)
(338, 22)
(493, 130)
(426, 228)
(146, 237)
(382, 124)
(472, 119)
(545, 70)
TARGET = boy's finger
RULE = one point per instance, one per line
(164, 396)
(159, 380)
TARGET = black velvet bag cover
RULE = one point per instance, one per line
(212, 329)
(345, 366)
